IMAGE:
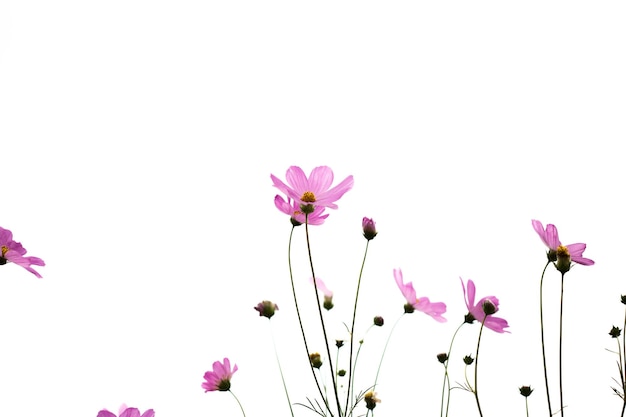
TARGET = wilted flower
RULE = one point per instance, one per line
(126, 412)
(12, 251)
(313, 191)
(266, 308)
(550, 238)
(328, 294)
(496, 324)
(423, 304)
(525, 390)
(370, 400)
(369, 228)
(219, 378)
(292, 209)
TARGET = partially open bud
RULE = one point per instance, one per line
(563, 259)
(316, 360)
(369, 228)
(468, 360)
(525, 390)
(615, 332)
(370, 400)
(442, 357)
(266, 308)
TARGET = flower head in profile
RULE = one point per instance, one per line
(12, 251)
(328, 294)
(219, 378)
(550, 237)
(370, 400)
(489, 303)
(423, 304)
(126, 412)
(314, 190)
(292, 209)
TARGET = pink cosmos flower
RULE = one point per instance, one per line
(12, 251)
(550, 237)
(126, 412)
(496, 324)
(315, 189)
(423, 304)
(369, 228)
(292, 208)
(219, 378)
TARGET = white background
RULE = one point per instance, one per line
(137, 139)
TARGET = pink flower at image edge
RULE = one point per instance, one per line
(219, 378)
(550, 237)
(14, 252)
(496, 324)
(314, 189)
(423, 304)
(126, 412)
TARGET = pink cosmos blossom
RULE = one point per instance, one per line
(292, 209)
(550, 237)
(126, 412)
(369, 228)
(315, 189)
(12, 251)
(423, 304)
(219, 378)
(496, 324)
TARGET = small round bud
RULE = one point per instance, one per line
(341, 372)
(379, 321)
(442, 357)
(316, 360)
(468, 360)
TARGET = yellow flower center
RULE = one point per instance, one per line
(4, 250)
(562, 251)
(297, 212)
(308, 197)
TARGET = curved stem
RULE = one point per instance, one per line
(446, 377)
(561, 346)
(282, 377)
(382, 356)
(295, 300)
(543, 346)
(356, 300)
(238, 402)
(319, 309)
(480, 333)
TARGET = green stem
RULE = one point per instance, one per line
(561, 345)
(356, 300)
(295, 299)
(238, 402)
(543, 346)
(319, 309)
(282, 377)
(382, 356)
(480, 333)
(446, 377)
(622, 371)
(526, 398)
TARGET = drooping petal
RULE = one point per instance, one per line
(435, 310)
(407, 290)
(496, 324)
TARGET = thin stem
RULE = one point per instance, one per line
(480, 333)
(446, 377)
(622, 371)
(295, 299)
(526, 398)
(382, 356)
(238, 402)
(561, 345)
(282, 377)
(319, 309)
(356, 300)
(543, 346)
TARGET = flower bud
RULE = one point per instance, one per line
(468, 360)
(469, 318)
(623, 299)
(338, 343)
(328, 302)
(370, 400)
(615, 332)
(442, 357)
(369, 228)
(266, 308)
(379, 321)
(551, 254)
(341, 372)
(316, 360)
(525, 390)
